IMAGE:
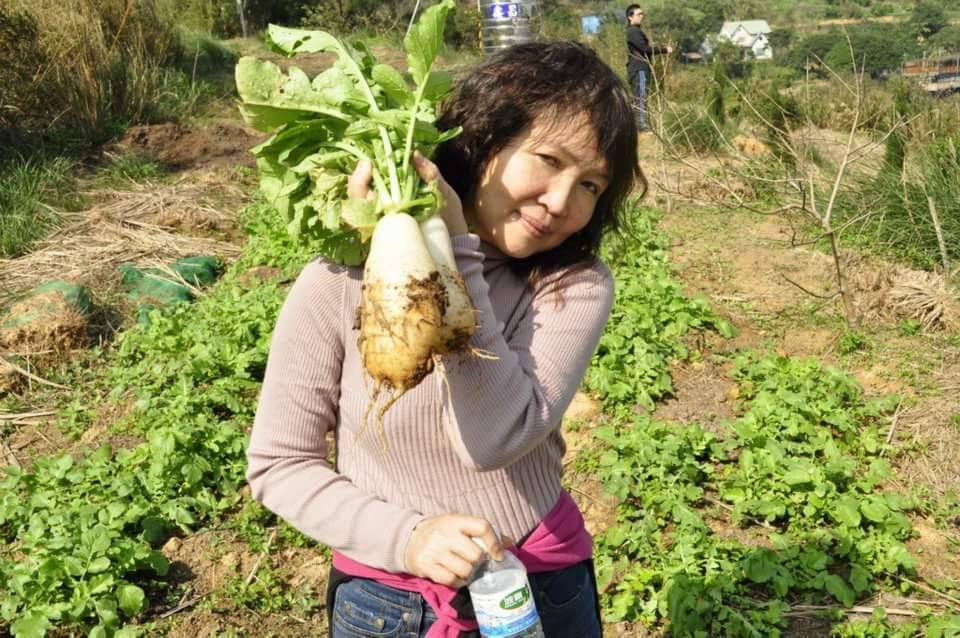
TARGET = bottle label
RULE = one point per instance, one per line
(502, 615)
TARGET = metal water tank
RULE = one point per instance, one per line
(509, 23)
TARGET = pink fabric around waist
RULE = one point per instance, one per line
(559, 541)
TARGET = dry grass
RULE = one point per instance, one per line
(923, 296)
(882, 289)
(932, 463)
(93, 61)
(132, 227)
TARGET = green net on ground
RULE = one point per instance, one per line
(46, 301)
(152, 288)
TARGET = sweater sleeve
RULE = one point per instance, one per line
(288, 469)
(501, 403)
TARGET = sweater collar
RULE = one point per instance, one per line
(493, 257)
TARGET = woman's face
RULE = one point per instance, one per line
(541, 188)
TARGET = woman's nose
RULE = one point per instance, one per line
(556, 197)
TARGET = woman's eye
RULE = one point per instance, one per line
(590, 186)
(548, 159)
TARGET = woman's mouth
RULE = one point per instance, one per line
(533, 227)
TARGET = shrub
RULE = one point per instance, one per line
(559, 22)
(830, 105)
(809, 52)
(775, 111)
(368, 16)
(928, 18)
(685, 24)
(731, 57)
(946, 40)
(462, 31)
(877, 49)
(89, 64)
(222, 19)
(899, 205)
(689, 128)
(20, 57)
(610, 44)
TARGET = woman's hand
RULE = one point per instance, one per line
(451, 210)
(441, 548)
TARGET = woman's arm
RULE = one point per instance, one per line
(499, 406)
(287, 458)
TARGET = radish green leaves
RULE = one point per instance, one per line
(357, 109)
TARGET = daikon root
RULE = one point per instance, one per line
(414, 306)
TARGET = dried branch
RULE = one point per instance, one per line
(894, 420)
(31, 375)
(810, 292)
(812, 610)
(939, 230)
(264, 553)
(930, 590)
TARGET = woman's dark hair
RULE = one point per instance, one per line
(500, 99)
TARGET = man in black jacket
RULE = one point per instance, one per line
(639, 53)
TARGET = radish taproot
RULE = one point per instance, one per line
(459, 320)
(414, 305)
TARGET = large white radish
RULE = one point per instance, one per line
(401, 310)
(459, 317)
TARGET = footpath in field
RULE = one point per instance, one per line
(737, 484)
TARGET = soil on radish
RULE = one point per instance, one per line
(426, 300)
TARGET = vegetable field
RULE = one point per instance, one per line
(750, 463)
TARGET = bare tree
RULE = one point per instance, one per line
(799, 184)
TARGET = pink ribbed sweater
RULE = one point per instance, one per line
(489, 446)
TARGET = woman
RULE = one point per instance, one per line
(546, 156)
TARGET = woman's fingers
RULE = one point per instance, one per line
(442, 549)
(442, 575)
(466, 548)
(451, 209)
(460, 567)
(426, 169)
(358, 186)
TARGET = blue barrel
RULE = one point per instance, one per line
(508, 23)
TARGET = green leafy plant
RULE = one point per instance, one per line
(650, 318)
(851, 341)
(355, 110)
(720, 535)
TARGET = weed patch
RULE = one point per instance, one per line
(27, 188)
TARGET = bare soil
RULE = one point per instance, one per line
(219, 144)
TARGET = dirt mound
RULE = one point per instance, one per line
(180, 147)
(44, 323)
(750, 145)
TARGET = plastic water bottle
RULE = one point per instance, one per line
(502, 599)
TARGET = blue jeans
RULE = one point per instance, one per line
(566, 600)
(639, 85)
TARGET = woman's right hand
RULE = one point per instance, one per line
(441, 548)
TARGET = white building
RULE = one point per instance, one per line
(752, 36)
